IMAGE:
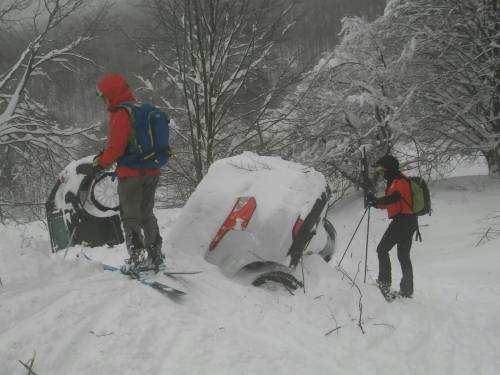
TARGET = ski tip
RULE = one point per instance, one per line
(108, 267)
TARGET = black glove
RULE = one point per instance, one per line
(371, 200)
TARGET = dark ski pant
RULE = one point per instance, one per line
(137, 198)
(399, 233)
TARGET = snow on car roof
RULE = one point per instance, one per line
(274, 182)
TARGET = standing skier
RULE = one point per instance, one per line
(398, 203)
(136, 185)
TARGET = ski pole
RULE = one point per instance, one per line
(366, 249)
(349, 244)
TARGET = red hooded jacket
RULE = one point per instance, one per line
(115, 89)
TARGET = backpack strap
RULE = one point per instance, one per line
(418, 236)
(127, 106)
(405, 201)
(403, 198)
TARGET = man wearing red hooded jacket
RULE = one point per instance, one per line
(136, 186)
(398, 203)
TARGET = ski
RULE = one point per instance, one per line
(163, 288)
(148, 269)
(174, 273)
(139, 276)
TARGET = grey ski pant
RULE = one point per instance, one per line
(137, 198)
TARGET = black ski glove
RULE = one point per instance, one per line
(96, 167)
(371, 200)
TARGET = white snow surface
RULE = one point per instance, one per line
(82, 320)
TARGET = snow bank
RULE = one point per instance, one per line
(82, 321)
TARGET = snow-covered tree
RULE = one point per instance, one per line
(214, 55)
(30, 136)
(455, 62)
(350, 104)
(421, 81)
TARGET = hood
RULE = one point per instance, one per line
(115, 88)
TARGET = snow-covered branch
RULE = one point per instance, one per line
(220, 49)
(32, 141)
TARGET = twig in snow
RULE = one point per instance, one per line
(384, 324)
(29, 366)
(333, 330)
(356, 275)
(337, 327)
(101, 334)
(360, 304)
(485, 235)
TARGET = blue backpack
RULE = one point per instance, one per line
(148, 140)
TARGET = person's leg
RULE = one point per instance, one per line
(129, 193)
(152, 237)
(148, 220)
(404, 247)
(384, 262)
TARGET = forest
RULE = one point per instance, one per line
(333, 84)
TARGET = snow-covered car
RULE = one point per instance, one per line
(256, 212)
(82, 209)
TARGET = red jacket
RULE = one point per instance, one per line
(404, 204)
(115, 88)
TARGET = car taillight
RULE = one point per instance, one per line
(296, 227)
(238, 219)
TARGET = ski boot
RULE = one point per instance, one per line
(406, 285)
(156, 259)
(136, 263)
(385, 289)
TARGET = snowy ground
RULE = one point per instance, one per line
(81, 320)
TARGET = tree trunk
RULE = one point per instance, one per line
(493, 159)
(493, 156)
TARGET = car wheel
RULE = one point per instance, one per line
(287, 280)
(103, 193)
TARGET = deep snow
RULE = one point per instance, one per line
(81, 320)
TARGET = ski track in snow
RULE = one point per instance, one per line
(81, 320)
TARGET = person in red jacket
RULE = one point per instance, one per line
(398, 203)
(136, 186)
